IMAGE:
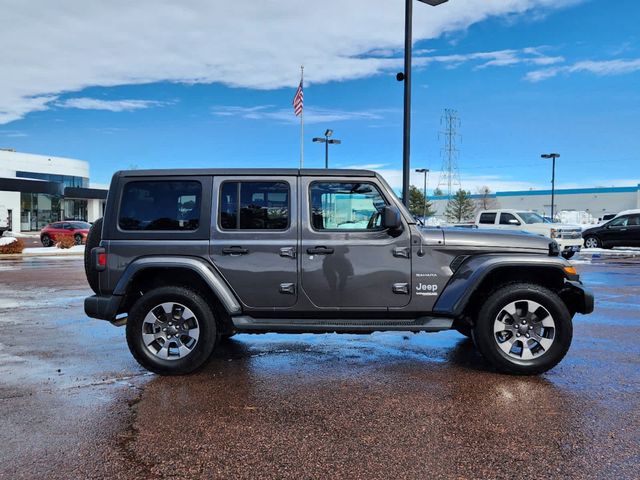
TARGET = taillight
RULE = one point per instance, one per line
(102, 259)
(99, 258)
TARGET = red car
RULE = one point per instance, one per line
(50, 233)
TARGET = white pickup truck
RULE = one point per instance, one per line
(568, 237)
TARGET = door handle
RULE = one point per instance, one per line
(288, 252)
(319, 251)
(235, 251)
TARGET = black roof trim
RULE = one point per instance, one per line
(312, 172)
(26, 185)
(85, 193)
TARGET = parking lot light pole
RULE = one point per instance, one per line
(552, 156)
(406, 77)
(424, 190)
(326, 140)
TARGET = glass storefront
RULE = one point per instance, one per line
(38, 210)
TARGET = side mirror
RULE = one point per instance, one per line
(513, 221)
(391, 218)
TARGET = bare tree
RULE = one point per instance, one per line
(486, 199)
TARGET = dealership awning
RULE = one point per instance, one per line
(85, 193)
(26, 185)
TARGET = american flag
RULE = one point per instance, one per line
(298, 100)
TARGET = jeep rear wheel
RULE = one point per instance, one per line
(171, 330)
(523, 329)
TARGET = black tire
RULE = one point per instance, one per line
(206, 322)
(226, 336)
(485, 339)
(591, 239)
(568, 255)
(78, 239)
(46, 241)
(93, 240)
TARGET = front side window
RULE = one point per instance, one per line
(254, 206)
(505, 219)
(619, 222)
(346, 206)
(161, 205)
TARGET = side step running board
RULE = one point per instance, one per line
(244, 323)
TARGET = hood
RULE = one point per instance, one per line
(495, 239)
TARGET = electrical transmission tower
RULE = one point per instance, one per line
(449, 174)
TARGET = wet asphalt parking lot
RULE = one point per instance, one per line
(74, 404)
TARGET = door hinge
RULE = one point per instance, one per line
(288, 252)
(288, 288)
(401, 252)
(401, 288)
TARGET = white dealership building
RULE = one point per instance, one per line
(40, 189)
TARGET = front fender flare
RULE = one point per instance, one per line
(209, 275)
(470, 275)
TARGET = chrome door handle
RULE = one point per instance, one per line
(288, 252)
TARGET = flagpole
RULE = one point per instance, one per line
(302, 121)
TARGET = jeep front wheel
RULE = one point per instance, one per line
(523, 329)
(171, 330)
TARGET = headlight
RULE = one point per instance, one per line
(554, 233)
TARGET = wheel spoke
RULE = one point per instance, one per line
(174, 320)
(527, 354)
(545, 343)
(507, 345)
(149, 338)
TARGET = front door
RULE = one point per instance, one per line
(348, 260)
(254, 238)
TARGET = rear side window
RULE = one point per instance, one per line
(161, 205)
(254, 206)
(489, 218)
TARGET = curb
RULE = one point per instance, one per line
(27, 255)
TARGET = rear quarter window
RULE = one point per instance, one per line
(161, 205)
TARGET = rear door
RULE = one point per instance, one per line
(254, 238)
(348, 260)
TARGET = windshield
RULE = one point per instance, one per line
(530, 217)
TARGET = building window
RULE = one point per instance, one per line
(37, 210)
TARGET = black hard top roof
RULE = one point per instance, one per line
(276, 172)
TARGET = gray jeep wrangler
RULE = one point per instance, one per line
(187, 258)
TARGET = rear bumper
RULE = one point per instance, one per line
(579, 297)
(102, 307)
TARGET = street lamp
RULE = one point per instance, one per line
(553, 156)
(424, 190)
(326, 140)
(406, 76)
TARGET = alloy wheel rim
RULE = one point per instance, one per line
(591, 243)
(170, 331)
(524, 330)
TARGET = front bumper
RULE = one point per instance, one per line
(569, 245)
(577, 297)
(102, 307)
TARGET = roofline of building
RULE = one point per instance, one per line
(564, 191)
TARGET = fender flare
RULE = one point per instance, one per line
(470, 275)
(210, 276)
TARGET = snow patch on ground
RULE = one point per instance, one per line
(53, 251)
(7, 241)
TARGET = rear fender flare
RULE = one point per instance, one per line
(206, 272)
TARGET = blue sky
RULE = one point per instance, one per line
(195, 86)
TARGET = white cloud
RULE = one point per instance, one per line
(49, 48)
(84, 103)
(497, 58)
(285, 115)
(468, 182)
(602, 68)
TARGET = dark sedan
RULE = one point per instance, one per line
(622, 231)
